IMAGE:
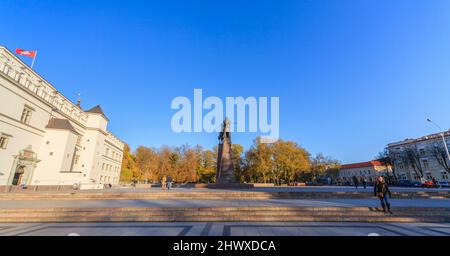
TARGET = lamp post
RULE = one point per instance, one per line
(443, 138)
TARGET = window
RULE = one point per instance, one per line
(3, 141)
(103, 166)
(422, 151)
(26, 115)
(444, 175)
(425, 163)
(107, 152)
(77, 158)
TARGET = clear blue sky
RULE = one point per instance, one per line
(352, 76)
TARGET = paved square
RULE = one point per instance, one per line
(226, 229)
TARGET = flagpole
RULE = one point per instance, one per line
(32, 63)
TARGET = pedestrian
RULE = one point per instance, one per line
(435, 182)
(329, 180)
(164, 183)
(364, 182)
(355, 182)
(381, 190)
(169, 182)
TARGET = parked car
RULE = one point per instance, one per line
(408, 183)
(429, 184)
(444, 184)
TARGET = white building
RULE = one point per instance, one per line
(45, 139)
(426, 159)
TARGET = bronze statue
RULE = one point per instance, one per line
(225, 133)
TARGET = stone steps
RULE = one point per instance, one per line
(213, 195)
(221, 209)
(228, 214)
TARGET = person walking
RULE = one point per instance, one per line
(169, 182)
(435, 182)
(355, 182)
(381, 190)
(364, 182)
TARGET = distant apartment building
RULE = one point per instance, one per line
(423, 157)
(45, 139)
(370, 170)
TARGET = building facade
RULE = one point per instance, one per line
(370, 170)
(45, 139)
(421, 158)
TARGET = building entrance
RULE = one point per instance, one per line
(18, 175)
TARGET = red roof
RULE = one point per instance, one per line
(361, 165)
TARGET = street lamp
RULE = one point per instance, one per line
(443, 137)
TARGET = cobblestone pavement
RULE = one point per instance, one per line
(225, 229)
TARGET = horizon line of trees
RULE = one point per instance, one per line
(281, 162)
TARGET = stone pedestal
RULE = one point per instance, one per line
(225, 168)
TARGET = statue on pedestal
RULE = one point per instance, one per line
(225, 169)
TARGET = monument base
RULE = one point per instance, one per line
(225, 185)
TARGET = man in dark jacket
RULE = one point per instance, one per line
(381, 190)
(355, 182)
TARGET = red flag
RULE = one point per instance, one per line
(30, 54)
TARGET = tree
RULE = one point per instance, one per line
(128, 168)
(207, 167)
(258, 163)
(440, 154)
(282, 161)
(147, 164)
(411, 157)
(236, 158)
(185, 168)
(385, 158)
(324, 165)
(291, 161)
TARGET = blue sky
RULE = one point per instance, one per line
(352, 76)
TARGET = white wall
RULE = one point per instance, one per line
(20, 86)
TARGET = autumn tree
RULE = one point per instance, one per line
(322, 165)
(147, 163)
(185, 166)
(238, 162)
(207, 167)
(290, 161)
(129, 171)
(282, 161)
(259, 162)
